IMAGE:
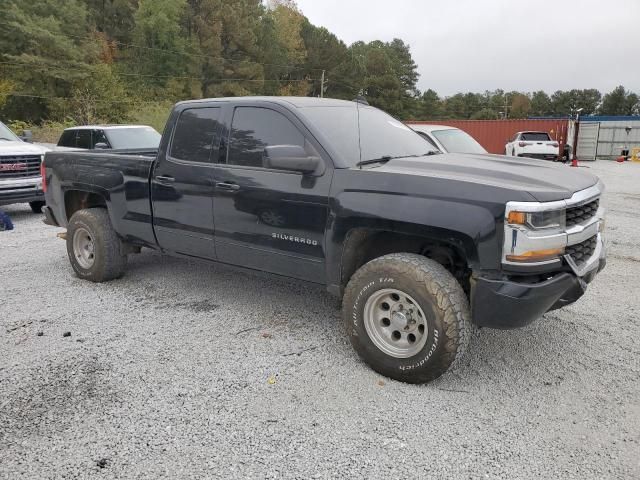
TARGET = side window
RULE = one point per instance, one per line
(99, 137)
(193, 137)
(83, 140)
(253, 129)
(68, 139)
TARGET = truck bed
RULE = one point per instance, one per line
(122, 178)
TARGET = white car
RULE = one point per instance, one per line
(449, 139)
(533, 145)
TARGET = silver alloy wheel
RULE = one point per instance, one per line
(83, 248)
(395, 323)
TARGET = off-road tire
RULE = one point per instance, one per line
(438, 294)
(109, 260)
(36, 207)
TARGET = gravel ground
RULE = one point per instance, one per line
(195, 370)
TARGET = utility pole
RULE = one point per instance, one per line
(322, 85)
(506, 106)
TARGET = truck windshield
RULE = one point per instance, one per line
(135, 137)
(6, 134)
(457, 141)
(379, 136)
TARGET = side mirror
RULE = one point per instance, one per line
(290, 157)
(27, 136)
(101, 146)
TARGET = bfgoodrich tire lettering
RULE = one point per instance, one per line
(106, 261)
(440, 298)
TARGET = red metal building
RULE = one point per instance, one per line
(494, 134)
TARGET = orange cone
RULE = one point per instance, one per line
(621, 159)
(574, 162)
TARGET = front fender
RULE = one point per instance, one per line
(474, 229)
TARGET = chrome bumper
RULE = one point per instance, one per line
(18, 190)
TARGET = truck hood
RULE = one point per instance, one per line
(20, 148)
(545, 181)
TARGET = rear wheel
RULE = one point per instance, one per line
(94, 249)
(407, 317)
(36, 207)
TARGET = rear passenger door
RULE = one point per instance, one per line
(268, 219)
(182, 183)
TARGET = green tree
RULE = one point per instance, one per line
(46, 47)
(115, 18)
(485, 114)
(225, 35)
(159, 33)
(568, 102)
(326, 52)
(288, 24)
(6, 88)
(428, 106)
(520, 106)
(620, 102)
(541, 104)
(385, 74)
(100, 98)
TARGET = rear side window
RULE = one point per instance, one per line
(255, 128)
(83, 140)
(68, 139)
(535, 136)
(99, 137)
(193, 137)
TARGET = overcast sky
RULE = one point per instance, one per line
(478, 45)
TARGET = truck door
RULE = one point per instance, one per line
(267, 219)
(182, 183)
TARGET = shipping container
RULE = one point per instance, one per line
(493, 135)
(607, 137)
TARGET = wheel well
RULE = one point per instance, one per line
(362, 246)
(75, 200)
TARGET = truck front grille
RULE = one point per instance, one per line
(581, 252)
(19, 166)
(582, 213)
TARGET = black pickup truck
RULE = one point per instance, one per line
(419, 245)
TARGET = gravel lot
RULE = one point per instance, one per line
(195, 370)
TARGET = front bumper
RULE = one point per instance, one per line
(509, 304)
(21, 190)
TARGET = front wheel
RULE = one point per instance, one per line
(94, 249)
(407, 317)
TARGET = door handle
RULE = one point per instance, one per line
(165, 179)
(228, 186)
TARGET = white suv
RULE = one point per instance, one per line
(533, 145)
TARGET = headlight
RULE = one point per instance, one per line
(534, 235)
(554, 219)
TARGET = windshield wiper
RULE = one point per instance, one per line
(383, 159)
(386, 158)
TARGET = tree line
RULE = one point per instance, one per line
(86, 61)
